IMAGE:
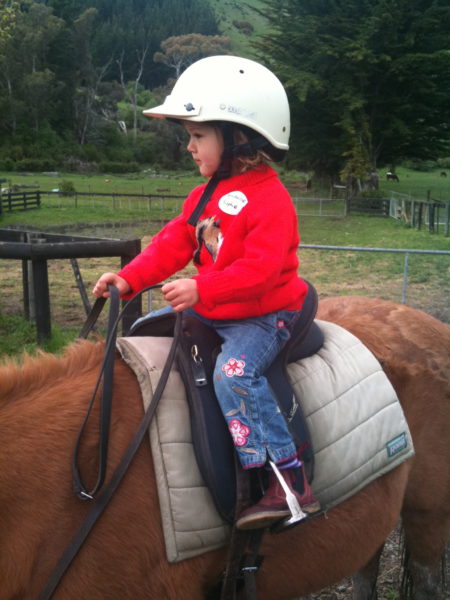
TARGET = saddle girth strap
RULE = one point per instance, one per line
(243, 560)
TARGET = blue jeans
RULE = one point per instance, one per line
(257, 426)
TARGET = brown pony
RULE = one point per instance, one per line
(43, 402)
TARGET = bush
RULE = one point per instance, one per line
(244, 26)
(89, 153)
(372, 194)
(67, 188)
(75, 165)
(444, 163)
(420, 165)
(7, 164)
(107, 166)
(35, 165)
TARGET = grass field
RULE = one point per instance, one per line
(418, 184)
(414, 183)
(332, 272)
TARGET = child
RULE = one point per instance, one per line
(241, 231)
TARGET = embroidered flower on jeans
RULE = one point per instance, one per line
(239, 432)
(234, 367)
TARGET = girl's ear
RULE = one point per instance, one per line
(239, 136)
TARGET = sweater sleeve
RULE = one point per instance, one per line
(270, 242)
(168, 252)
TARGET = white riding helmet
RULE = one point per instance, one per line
(230, 89)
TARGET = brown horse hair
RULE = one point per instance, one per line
(29, 371)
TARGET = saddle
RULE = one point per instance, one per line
(213, 446)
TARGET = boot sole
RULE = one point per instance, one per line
(261, 520)
(311, 508)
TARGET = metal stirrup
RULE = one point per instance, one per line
(296, 512)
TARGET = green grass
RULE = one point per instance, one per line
(137, 183)
(375, 232)
(332, 272)
(17, 335)
(57, 211)
(418, 184)
(228, 11)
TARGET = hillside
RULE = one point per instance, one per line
(240, 23)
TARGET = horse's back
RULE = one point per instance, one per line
(398, 335)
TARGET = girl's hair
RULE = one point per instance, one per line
(246, 163)
(248, 148)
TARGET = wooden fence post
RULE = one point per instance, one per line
(26, 290)
(431, 217)
(42, 300)
(446, 218)
(420, 216)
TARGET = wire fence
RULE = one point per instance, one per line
(405, 251)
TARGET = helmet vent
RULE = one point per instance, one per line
(241, 71)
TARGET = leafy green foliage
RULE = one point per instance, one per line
(8, 14)
(368, 80)
(178, 52)
(65, 66)
(67, 187)
(360, 72)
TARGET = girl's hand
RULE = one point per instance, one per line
(101, 287)
(181, 294)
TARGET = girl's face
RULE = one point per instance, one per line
(206, 146)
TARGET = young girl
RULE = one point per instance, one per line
(241, 231)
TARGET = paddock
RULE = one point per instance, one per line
(34, 249)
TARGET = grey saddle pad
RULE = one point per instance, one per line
(357, 427)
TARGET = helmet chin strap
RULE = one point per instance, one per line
(204, 199)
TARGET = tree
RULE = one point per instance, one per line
(371, 72)
(24, 63)
(66, 64)
(87, 101)
(8, 15)
(126, 25)
(178, 52)
(131, 91)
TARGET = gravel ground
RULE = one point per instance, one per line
(388, 580)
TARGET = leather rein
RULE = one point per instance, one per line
(243, 559)
(106, 374)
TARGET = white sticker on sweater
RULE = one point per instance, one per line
(233, 203)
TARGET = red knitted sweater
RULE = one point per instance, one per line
(246, 242)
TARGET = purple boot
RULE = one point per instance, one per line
(273, 505)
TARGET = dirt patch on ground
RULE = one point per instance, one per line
(332, 275)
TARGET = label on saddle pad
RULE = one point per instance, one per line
(356, 423)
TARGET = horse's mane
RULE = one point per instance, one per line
(30, 372)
